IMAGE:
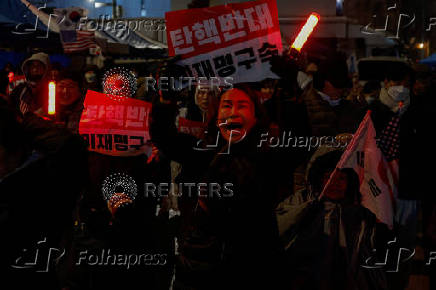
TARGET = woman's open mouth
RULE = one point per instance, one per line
(233, 126)
(232, 131)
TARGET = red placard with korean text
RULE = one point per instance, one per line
(115, 126)
(234, 40)
(193, 128)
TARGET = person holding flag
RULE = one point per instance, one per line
(333, 234)
(32, 95)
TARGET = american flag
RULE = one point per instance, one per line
(73, 38)
(389, 144)
(389, 141)
(77, 40)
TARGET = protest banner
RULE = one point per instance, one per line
(233, 40)
(193, 128)
(113, 126)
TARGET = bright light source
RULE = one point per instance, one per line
(51, 98)
(306, 31)
(99, 4)
(420, 45)
(11, 76)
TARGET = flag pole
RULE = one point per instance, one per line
(346, 153)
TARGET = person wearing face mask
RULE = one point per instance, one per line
(340, 115)
(396, 93)
(368, 99)
(397, 98)
(369, 93)
(30, 96)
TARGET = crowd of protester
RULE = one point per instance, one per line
(274, 232)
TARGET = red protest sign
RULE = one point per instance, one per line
(118, 127)
(14, 81)
(234, 40)
(193, 128)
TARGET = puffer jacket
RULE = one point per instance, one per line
(322, 118)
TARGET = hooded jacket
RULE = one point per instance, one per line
(41, 57)
(23, 97)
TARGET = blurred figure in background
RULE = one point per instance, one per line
(70, 100)
(204, 96)
(91, 79)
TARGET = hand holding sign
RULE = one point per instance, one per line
(113, 127)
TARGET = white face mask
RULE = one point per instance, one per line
(303, 79)
(392, 97)
(327, 98)
(399, 93)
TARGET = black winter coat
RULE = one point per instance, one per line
(233, 242)
(36, 204)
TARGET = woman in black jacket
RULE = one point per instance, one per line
(233, 239)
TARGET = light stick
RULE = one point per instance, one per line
(306, 31)
(51, 98)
